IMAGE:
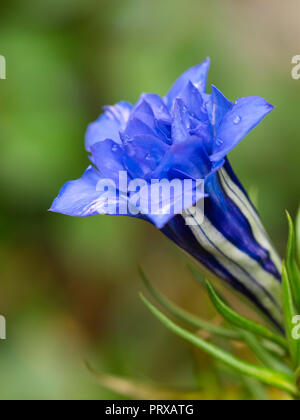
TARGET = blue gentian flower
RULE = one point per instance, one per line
(185, 135)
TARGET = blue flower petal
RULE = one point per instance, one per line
(120, 112)
(243, 116)
(143, 112)
(108, 124)
(217, 107)
(158, 106)
(160, 205)
(196, 163)
(80, 197)
(181, 122)
(197, 75)
(108, 157)
(193, 101)
(136, 127)
(161, 114)
(143, 154)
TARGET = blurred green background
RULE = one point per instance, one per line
(69, 287)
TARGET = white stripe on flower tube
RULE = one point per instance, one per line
(238, 263)
(241, 201)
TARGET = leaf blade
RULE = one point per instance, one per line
(298, 236)
(267, 376)
(185, 316)
(289, 314)
(291, 262)
(263, 355)
(242, 322)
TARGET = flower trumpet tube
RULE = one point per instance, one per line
(182, 140)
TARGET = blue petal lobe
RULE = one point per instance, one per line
(143, 112)
(217, 107)
(193, 100)
(158, 106)
(80, 198)
(120, 112)
(197, 75)
(196, 163)
(108, 157)
(135, 127)
(143, 154)
(181, 122)
(108, 124)
(243, 116)
(161, 114)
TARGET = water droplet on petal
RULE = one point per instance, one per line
(237, 120)
(148, 156)
(219, 142)
(126, 140)
(114, 148)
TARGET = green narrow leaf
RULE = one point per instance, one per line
(274, 349)
(291, 263)
(289, 314)
(256, 389)
(267, 376)
(187, 317)
(202, 281)
(263, 355)
(198, 276)
(242, 322)
(298, 235)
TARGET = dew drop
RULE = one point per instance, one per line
(219, 142)
(188, 124)
(114, 148)
(237, 120)
(148, 156)
(126, 140)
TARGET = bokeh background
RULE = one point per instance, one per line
(69, 287)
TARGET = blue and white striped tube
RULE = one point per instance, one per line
(232, 244)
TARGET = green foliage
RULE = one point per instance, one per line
(289, 314)
(185, 316)
(242, 322)
(298, 235)
(262, 353)
(291, 263)
(279, 355)
(267, 376)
